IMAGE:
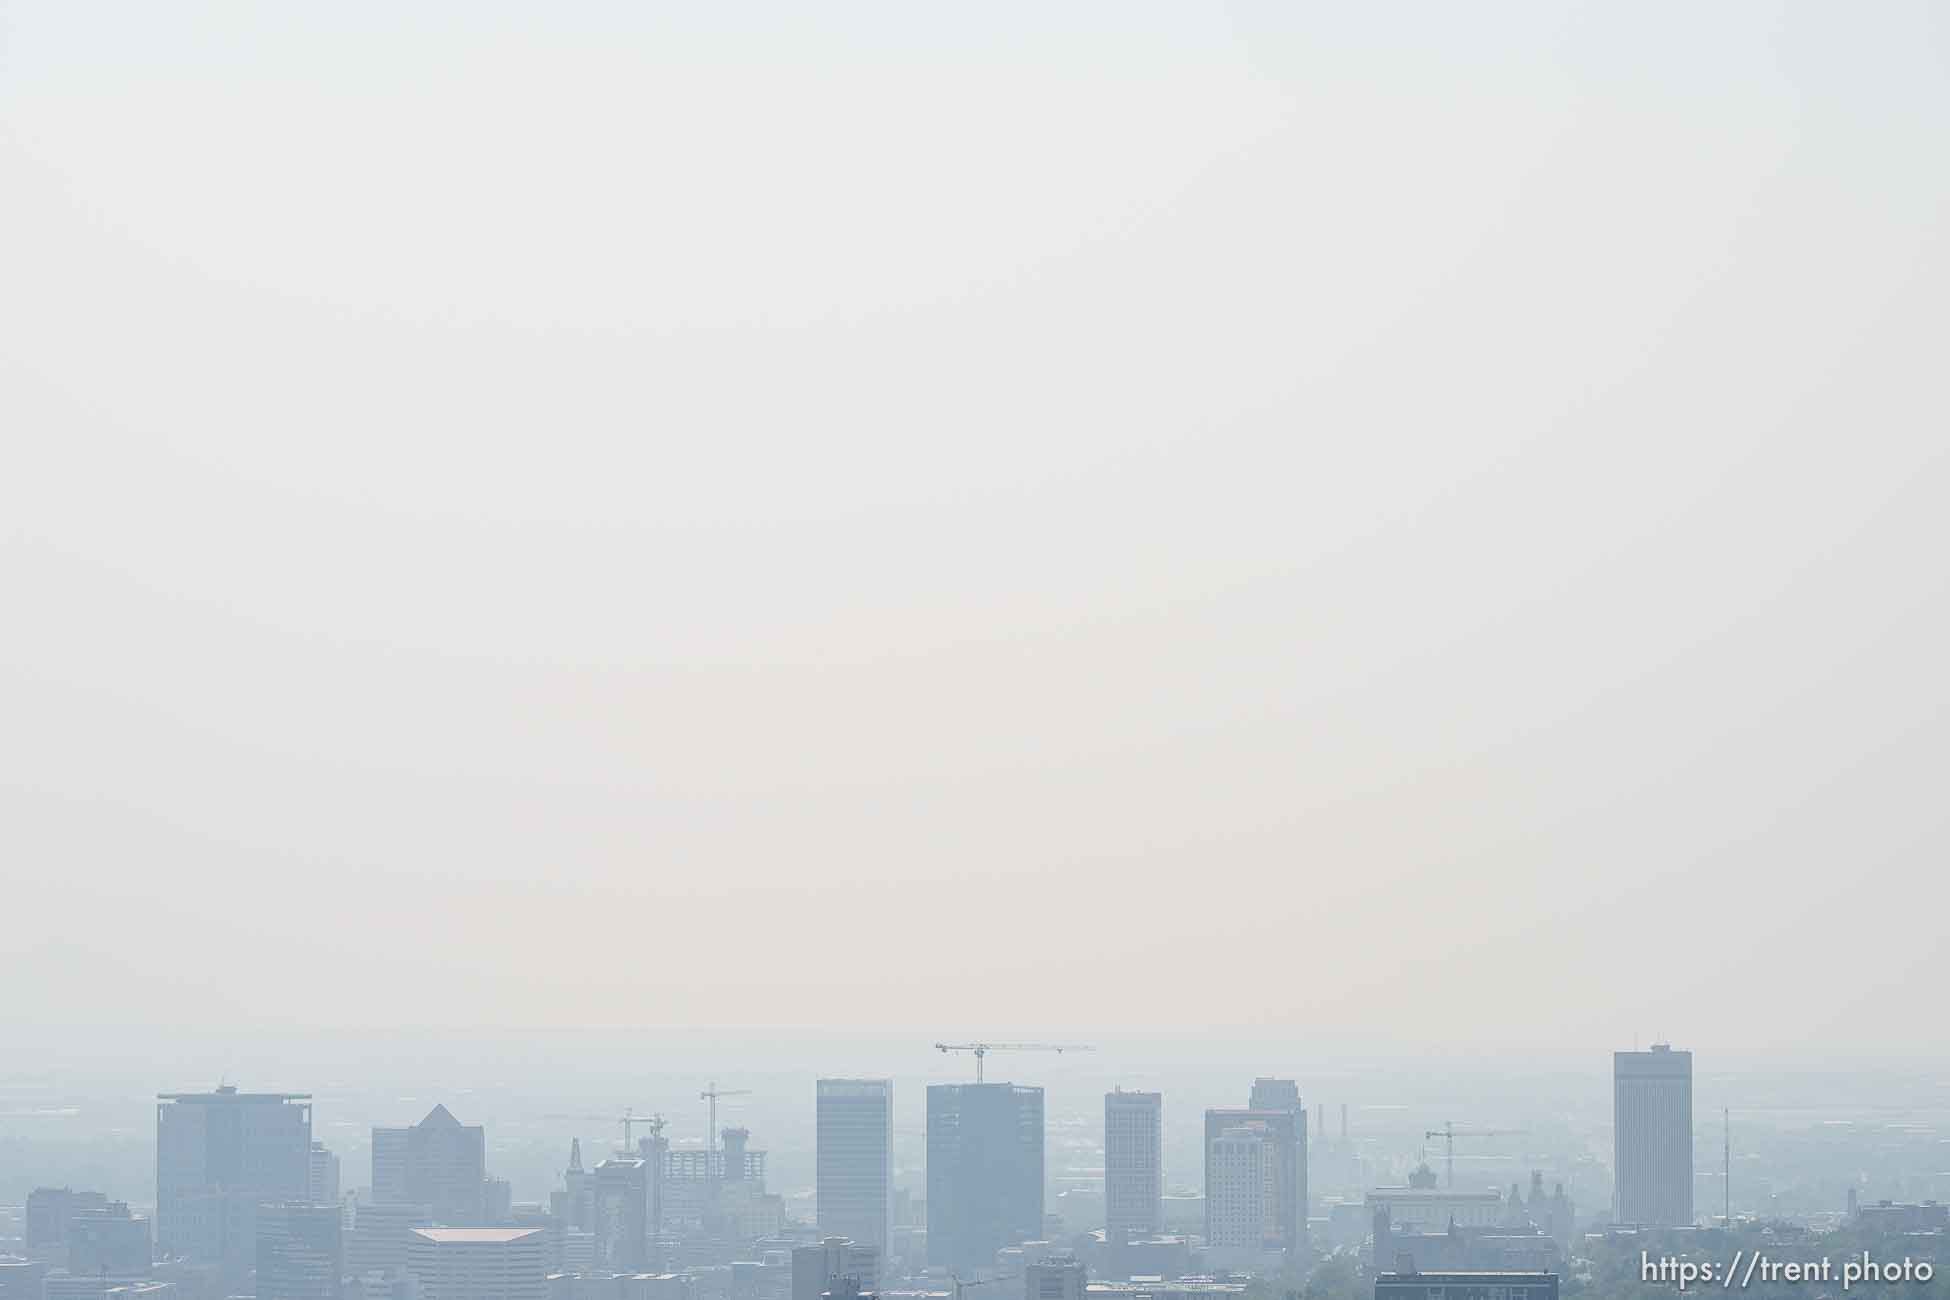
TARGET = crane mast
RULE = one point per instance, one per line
(712, 1094)
(1449, 1133)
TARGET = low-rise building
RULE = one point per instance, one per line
(1433, 1209)
(1054, 1279)
(1157, 1288)
(71, 1286)
(1465, 1286)
(478, 1263)
(109, 1242)
(20, 1278)
(1895, 1216)
(816, 1269)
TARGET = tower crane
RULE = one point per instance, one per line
(961, 1283)
(1449, 1133)
(981, 1050)
(629, 1118)
(712, 1094)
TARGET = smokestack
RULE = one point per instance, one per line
(1343, 1121)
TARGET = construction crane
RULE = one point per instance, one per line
(628, 1119)
(961, 1283)
(983, 1049)
(712, 1094)
(1449, 1133)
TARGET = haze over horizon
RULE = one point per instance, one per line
(1364, 525)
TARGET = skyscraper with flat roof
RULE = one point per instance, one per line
(854, 1166)
(1283, 1123)
(219, 1155)
(1134, 1170)
(1652, 1132)
(985, 1171)
(1272, 1094)
(1280, 1117)
(323, 1180)
(620, 1206)
(1236, 1210)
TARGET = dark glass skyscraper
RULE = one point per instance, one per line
(855, 1166)
(219, 1155)
(985, 1171)
(1134, 1175)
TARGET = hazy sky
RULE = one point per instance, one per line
(1426, 522)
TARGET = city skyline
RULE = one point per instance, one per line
(1011, 1189)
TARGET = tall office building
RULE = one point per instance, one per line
(1652, 1128)
(1237, 1181)
(1270, 1094)
(322, 1184)
(655, 1151)
(300, 1252)
(1134, 1167)
(438, 1162)
(219, 1155)
(1283, 1125)
(985, 1171)
(854, 1175)
(620, 1212)
(389, 1165)
(479, 1263)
